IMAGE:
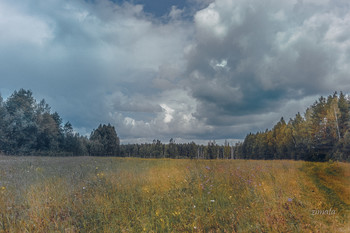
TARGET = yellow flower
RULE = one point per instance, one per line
(176, 213)
(3, 188)
(38, 169)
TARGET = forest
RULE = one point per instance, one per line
(322, 133)
(28, 127)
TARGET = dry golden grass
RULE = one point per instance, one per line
(89, 194)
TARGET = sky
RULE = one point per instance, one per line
(192, 70)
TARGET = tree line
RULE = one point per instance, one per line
(321, 134)
(28, 127)
(191, 150)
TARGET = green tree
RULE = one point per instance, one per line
(279, 139)
(212, 150)
(21, 127)
(345, 148)
(2, 125)
(172, 148)
(344, 118)
(192, 150)
(104, 141)
(48, 133)
(318, 128)
(299, 137)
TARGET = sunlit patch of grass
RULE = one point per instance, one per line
(91, 194)
(332, 186)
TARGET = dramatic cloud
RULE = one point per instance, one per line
(91, 60)
(251, 59)
(197, 70)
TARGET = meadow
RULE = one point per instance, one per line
(105, 194)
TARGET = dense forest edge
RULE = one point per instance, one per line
(29, 127)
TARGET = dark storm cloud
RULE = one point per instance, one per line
(94, 61)
(255, 57)
(202, 70)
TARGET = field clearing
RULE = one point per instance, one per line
(99, 194)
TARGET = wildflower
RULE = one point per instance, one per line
(212, 200)
(176, 213)
(84, 187)
(207, 167)
(290, 199)
(195, 227)
(194, 206)
(3, 188)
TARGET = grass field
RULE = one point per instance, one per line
(90, 194)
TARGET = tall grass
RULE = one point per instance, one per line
(90, 194)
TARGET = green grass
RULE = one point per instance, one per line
(90, 194)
